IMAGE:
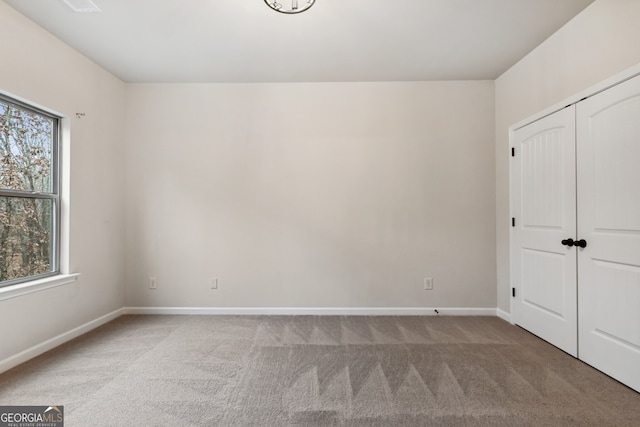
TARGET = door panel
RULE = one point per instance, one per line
(616, 290)
(543, 194)
(543, 281)
(608, 159)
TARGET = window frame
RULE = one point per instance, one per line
(53, 196)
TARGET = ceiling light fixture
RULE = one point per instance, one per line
(289, 6)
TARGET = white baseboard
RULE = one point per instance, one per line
(49, 344)
(504, 315)
(315, 311)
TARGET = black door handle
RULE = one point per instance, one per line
(580, 243)
(568, 242)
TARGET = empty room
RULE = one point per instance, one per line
(319, 213)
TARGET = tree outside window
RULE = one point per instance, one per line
(29, 186)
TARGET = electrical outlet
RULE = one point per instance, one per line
(428, 283)
(152, 283)
(213, 283)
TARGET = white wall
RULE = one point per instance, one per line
(598, 43)
(40, 68)
(311, 195)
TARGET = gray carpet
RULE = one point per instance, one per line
(317, 371)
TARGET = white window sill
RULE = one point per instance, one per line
(37, 285)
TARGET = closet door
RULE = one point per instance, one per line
(609, 221)
(543, 205)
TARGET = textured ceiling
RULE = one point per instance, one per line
(335, 40)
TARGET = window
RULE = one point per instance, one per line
(29, 193)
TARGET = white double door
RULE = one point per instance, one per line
(575, 180)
